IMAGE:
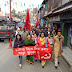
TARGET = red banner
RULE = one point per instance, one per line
(42, 53)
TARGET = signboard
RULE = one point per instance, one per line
(46, 13)
(56, 18)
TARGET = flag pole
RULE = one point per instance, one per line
(10, 11)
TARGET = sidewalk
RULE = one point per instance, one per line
(67, 55)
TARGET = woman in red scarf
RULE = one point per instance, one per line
(41, 41)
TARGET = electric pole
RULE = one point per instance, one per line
(10, 11)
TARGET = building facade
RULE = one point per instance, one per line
(59, 13)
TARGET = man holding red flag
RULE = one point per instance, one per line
(27, 23)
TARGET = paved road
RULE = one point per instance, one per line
(9, 63)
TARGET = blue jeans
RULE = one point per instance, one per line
(20, 57)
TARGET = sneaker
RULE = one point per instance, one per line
(56, 67)
(58, 63)
(20, 66)
(42, 66)
(35, 60)
(30, 63)
(40, 61)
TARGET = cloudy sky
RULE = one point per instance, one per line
(18, 5)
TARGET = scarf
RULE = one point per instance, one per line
(50, 40)
(60, 39)
(35, 40)
(43, 40)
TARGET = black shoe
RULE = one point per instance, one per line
(40, 61)
(58, 63)
(42, 66)
(56, 67)
(35, 60)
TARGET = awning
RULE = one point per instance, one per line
(57, 22)
(65, 8)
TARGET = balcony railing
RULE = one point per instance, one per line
(51, 5)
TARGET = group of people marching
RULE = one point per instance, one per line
(43, 36)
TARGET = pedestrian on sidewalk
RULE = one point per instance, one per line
(29, 42)
(19, 42)
(58, 49)
(41, 42)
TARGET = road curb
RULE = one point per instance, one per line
(70, 66)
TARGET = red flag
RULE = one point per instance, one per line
(11, 15)
(27, 23)
(37, 21)
(10, 45)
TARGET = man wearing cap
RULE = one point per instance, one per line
(58, 43)
(24, 34)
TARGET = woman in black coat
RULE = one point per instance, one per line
(19, 42)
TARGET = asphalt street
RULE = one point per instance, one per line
(10, 63)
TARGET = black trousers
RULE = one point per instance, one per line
(20, 57)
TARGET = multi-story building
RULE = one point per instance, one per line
(60, 14)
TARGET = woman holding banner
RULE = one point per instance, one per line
(19, 42)
(41, 42)
(29, 42)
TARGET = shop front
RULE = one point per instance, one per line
(67, 28)
(69, 42)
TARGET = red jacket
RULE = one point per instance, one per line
(39, 43)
